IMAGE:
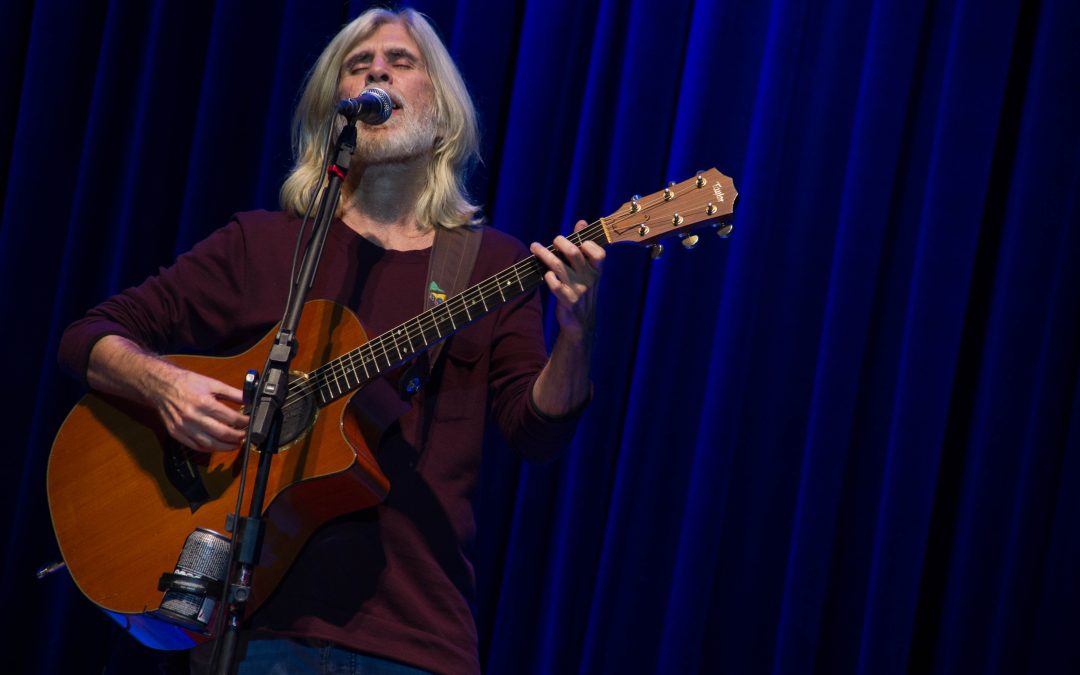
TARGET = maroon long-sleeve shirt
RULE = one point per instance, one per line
(394, 580)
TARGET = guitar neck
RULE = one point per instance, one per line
(707, 198)
(354, 369)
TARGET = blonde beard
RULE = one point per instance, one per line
(412, 136)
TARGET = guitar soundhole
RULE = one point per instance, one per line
(297, 415)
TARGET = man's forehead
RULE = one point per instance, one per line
(392, 38)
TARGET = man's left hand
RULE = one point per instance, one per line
(573, 280)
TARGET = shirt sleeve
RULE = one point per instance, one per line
(518, 354)
(187, 306)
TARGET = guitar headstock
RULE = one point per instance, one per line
(706, 199)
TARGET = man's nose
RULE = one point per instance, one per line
(378, 72)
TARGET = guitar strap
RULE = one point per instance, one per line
(453, 256)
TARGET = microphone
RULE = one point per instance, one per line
(372, 106)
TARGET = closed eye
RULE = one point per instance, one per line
(357, 63)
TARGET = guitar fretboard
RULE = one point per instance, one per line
(354, 369)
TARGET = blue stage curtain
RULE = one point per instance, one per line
(845, 440)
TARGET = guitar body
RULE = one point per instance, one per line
(121, 522)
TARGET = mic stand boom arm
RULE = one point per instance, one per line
(265, 423)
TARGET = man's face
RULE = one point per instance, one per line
(390, 60)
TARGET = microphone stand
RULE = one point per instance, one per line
(265, 425)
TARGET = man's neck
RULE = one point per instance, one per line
(379, 203)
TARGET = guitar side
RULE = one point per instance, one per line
(121, 523)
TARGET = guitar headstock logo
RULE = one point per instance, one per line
(718, 191)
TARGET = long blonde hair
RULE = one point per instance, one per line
(444, 199)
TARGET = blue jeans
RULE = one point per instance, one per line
(279, 656)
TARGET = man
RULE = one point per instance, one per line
(388, 586)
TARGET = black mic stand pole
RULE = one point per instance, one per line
(265, 423)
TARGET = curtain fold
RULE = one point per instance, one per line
(876, 144)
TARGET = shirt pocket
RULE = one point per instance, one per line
(462, 389)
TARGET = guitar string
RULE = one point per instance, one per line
(378, 347)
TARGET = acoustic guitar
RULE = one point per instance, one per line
(124, 497)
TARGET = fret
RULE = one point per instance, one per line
(404, 328)
(423, 333)
(536, 269)
(339, 375)
(333, 372)
(347, 368)
(363, 362)
(386, 354)
(450, 315)
(352, 366)
(397, 348)
(373, 352)
(516, 274)
(483, 302)
(465, 305)
(499, 288)
(344, 376)
(373, 360)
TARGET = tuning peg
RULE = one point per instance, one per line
(669, 191)
(723, 230)
(656, 250)
(690, 242)
(634, 206)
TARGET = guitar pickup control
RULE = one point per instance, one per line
(251, 385)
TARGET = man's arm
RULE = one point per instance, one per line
(190, 405)
(563, 385)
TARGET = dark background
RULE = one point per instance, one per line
(844, 440)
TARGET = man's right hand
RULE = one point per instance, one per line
(198, 411)
(195, 411)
